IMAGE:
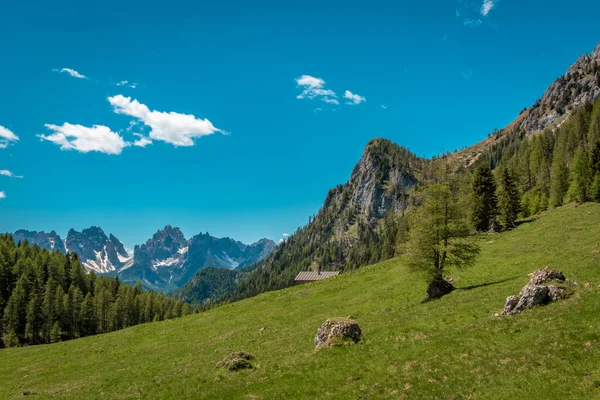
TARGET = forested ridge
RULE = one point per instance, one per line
(518, 176)
(47, 297)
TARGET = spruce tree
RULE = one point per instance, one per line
(34, 320)
(559, 181)
(485, 202)
(55, 333)
(509, 199)
(578, 189)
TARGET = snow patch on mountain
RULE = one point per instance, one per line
(227, 261)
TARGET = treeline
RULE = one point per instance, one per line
(47, 297)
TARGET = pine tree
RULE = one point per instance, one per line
(485, 202)
(578, 189)
(55, 333)
(439, 238)
(35, 320)
(49, 308)
(15, 313)
(559, 181)
(509, 199)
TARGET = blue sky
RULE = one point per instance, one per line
(239, 101)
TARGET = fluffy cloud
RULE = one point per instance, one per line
(71, 72)
(83, 139)
(353, 98)
(2, 195)
(5, 172)
(6, 137)
(487, 7)
(171, 127)
(286, 235)
(315, 87)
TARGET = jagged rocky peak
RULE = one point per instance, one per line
(380, 180)
(581, 83)
(97, 251)
(50, 241)
(118, 245)
(163, 244)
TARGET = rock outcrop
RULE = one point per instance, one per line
(536, 292)
(580, 83)
(439, 288)
(335, 332)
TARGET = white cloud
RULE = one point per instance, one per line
(384, 107)
(5, 172)
(143, 141)
(329, 100)
(286, 235)
(6, 137)
(83, 139)
(2, 195)
(315, 87)
(280, 240)
(487, 7)
(71, 72)
(126, 83)
(171, 127)
(353, 98)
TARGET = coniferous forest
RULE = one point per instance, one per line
(47, 297)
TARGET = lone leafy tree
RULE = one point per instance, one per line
(509, 199)
(439, 238)
(485, 202)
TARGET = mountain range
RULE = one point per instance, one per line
(360, 221)
(165, 262)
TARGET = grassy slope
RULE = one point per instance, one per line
(451, 348)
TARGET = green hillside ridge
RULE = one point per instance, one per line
(452, 348)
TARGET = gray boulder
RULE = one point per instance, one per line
(337, 332)
(546, 275)
(535, 293)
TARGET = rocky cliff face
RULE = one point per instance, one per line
(381, 179)
(50, 241)
(97, 252)
(579, 84)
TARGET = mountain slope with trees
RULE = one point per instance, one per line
(364, 221)
(450, 348)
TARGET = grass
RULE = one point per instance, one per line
(453, 348)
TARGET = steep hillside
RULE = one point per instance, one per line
(566, 95)
(356, 225)
(450, 348)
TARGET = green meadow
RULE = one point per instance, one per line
(452, 348)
